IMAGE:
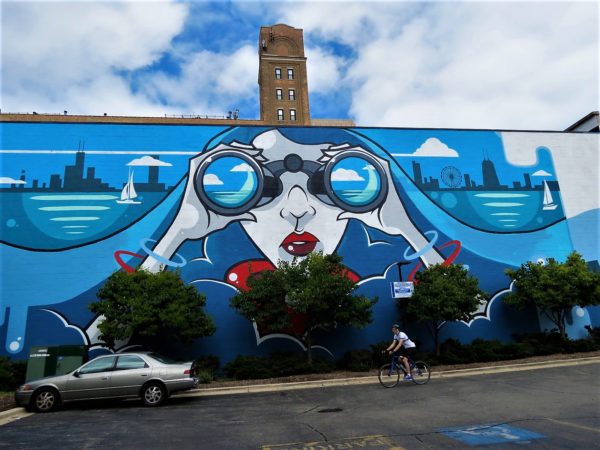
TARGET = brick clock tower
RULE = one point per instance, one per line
(282, 76)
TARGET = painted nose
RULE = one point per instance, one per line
(298, 209)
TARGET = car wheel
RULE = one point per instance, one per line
(45, 400)
(154, 394)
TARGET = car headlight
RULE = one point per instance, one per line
(24, 387)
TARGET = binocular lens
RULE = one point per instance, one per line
(355, 181)
(230, 182)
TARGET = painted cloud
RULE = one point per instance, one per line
(9, 180)
(432, 147)
(541, 173)
(148, 161)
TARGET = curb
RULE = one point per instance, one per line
(19, 413)
(10, 415)
(275, 387)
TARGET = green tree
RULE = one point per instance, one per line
(443, 293)
(555, 288)
(316, 287)
(152, 309)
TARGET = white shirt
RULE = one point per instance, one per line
(401, 336)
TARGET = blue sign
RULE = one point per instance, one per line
(489, 434)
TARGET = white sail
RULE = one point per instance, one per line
(548, 203)
(125, 192)
(128, 193)
(132, 193)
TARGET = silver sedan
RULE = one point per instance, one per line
(150, 376)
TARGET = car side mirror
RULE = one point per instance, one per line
(76, 374)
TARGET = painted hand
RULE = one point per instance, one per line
(391, 218)
(193, 221)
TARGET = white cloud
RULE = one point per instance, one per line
(324, 70)
(209, 82)
(432, 147)
(244, 167)
(498, 65)
(541, 173)
(351, 23)
(210, 179)
(345, 175)
(148, 161)
(69, 55)
(9, 180)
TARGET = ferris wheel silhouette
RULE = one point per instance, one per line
(451, 176)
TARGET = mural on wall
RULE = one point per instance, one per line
(80, 201)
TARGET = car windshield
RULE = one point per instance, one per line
(161, 358)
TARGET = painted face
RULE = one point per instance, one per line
(296, 192)
(295, 223)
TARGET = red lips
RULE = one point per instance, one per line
(299, 244)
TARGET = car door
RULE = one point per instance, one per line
(130, 373)
(91, 380)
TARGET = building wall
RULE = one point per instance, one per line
(281, 47)
(216, 202)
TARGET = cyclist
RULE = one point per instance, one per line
(403, 348)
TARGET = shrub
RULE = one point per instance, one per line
(580, 346)
(594, 334)
(205, 377)
(378, 356)
(273, 366)
(541, 344)
(247, 367)
(207, 363)
(453, 352)
(360, 360)
(12, 373)
(534, 344)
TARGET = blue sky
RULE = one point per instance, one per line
(498, 65)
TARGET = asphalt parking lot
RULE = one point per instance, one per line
(550, 408)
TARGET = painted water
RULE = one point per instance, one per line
(60, 220)
(499, 211)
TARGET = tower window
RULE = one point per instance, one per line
(279, 94)
(280, 114)
(278, 74)
(290, 74)
(292, 114)
(291, 94)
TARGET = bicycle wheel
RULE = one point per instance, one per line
(420, 373)
(389, 376)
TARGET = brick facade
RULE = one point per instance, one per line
(281, 49)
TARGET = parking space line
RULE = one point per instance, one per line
(574, 425)
(374, 442)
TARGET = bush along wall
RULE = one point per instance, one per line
(452, 352)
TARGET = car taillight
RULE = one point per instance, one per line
(187, 372)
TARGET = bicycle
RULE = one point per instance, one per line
(389, 374)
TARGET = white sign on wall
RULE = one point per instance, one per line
(402, 289)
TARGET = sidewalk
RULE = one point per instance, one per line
(353, 378)
(312, 381)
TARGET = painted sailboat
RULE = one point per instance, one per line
(548, 204)
(128, 194)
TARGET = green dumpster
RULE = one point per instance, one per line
(45, 361)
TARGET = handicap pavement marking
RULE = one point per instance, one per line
(364, 442)
(490, 434)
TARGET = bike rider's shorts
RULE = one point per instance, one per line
(409, 352)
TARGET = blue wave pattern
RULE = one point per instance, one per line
(57, 221)
(499, 211)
